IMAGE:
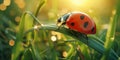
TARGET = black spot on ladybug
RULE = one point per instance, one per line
(92, 29)
(82, 17)
(72, 24)
(85, 24)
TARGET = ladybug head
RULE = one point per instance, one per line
(62, 20)
(59, 21)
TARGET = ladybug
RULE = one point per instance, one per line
(78, 21)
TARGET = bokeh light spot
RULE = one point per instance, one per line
(11, 42)
(17, 19)
(20, 3)
(64, 54)
(53, 38)
(57, 34)
(112, 38)
(51, 15)
(7, 2)
(114, 12)
(2, 7)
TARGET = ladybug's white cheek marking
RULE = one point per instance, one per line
(62, 20)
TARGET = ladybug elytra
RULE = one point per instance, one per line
(79, 22)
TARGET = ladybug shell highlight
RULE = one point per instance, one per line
(78, 21)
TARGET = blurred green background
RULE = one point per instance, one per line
(101, 11)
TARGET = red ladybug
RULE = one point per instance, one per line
(79, 22)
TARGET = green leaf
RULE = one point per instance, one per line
(35, 52)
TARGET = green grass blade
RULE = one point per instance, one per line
(27, 55)
(92, 42)
(35, 53)
(17, 49)
(111, 34)
(41, 3)
(26, 23)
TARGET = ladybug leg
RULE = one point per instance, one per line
(82, 34)
(72, 32)
(86, 37)
(60, 24)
